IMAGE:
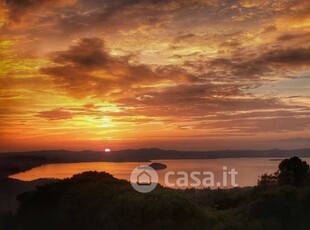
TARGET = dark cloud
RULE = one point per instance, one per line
(18, 9)
(193, 100)
(298, 56)
(112, 15)
(185, 37)
(290, 36)
(271, 28)
(239, 69)
(88, 54)
(88, 70)
(244, 66)
(116, 15)
(57, 114)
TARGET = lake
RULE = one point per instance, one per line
(249, 170)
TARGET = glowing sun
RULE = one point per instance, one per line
(107, 150)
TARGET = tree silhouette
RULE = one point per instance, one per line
(268, 179)
(293, 171)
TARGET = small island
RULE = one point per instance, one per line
(158, 166)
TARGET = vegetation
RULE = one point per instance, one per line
(291, 171)
(93, 200)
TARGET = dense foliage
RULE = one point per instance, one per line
(291, 171)
(93, 200)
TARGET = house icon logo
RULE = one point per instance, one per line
(144, 179)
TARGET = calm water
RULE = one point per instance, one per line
(249, 169)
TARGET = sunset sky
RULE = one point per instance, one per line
(174, 74)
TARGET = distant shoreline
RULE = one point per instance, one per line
(16, 162)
